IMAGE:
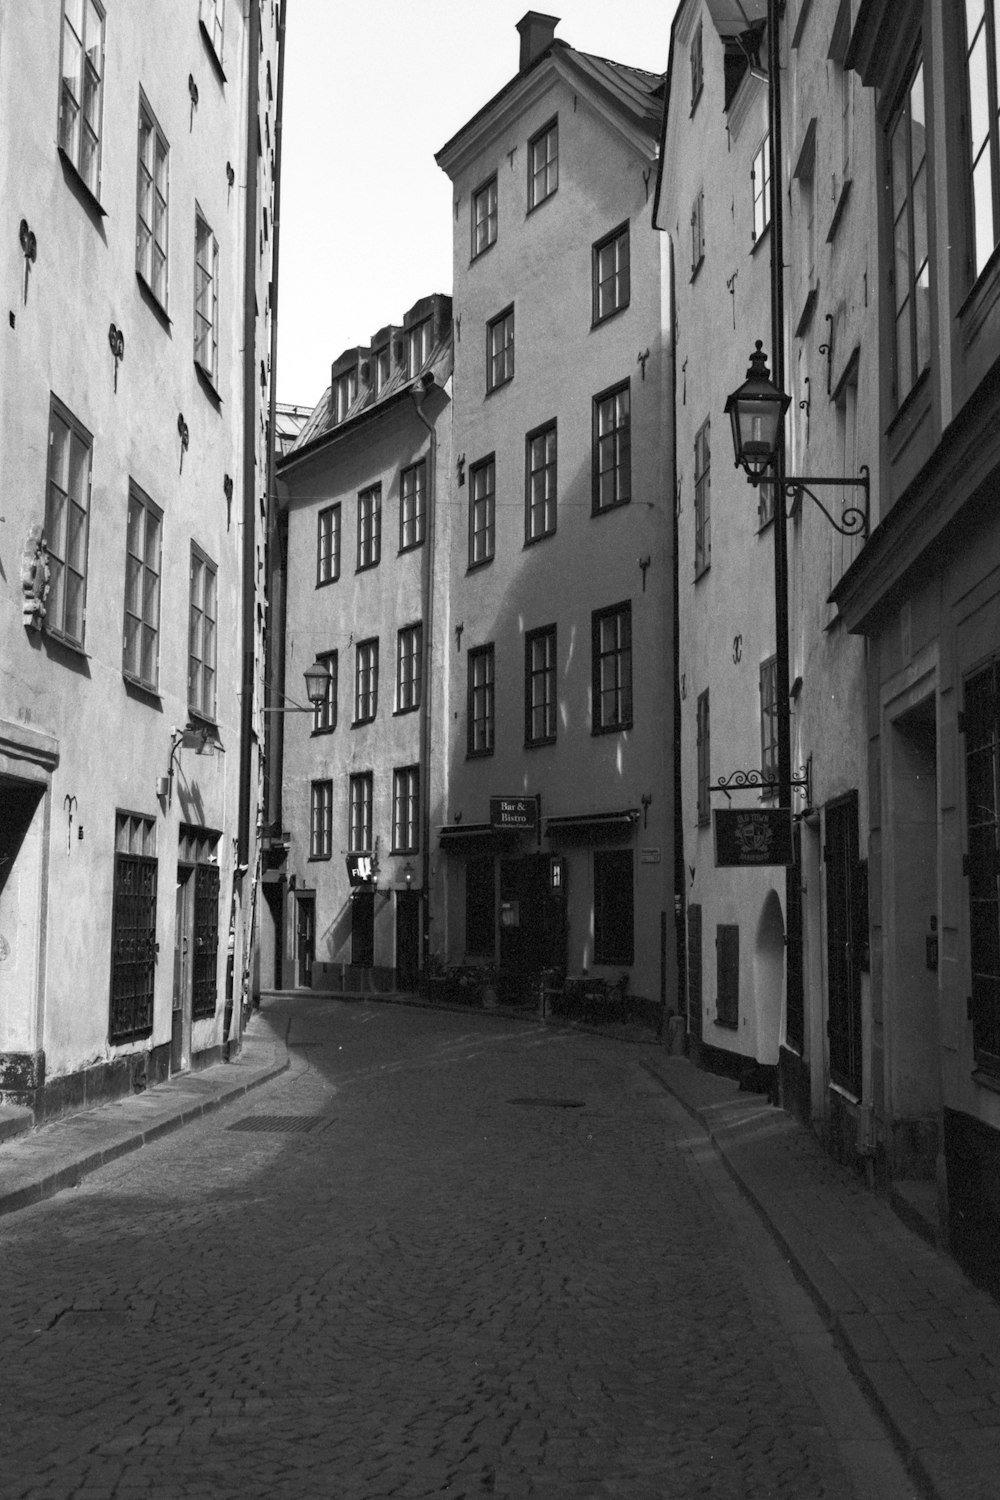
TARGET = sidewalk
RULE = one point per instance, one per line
(34, 1164)
(923, 1342)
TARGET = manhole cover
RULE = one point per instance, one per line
(551, 1103)
(277, 1124)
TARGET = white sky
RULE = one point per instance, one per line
(372, 89)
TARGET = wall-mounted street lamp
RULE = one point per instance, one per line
(317, 679)
(408, 873)
(757, 411)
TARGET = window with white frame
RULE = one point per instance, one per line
(540, 483)
(369, 527)
(982, 48)
(321, 820)
(611, 277)
(543, 164)
(500, 349)
(406, 810)
(383, 369)
(418, 348)
(611, 660)
(366, 681)
(213, 18)
(202, 624)
(81, 92)
(540, 686)
(911, 266)
(482, 511)
(702, 498)
(328, 545)
(480, 702)
(412, 505)
(697, 67)
(325, 711)
(769, 723)
(67, 523)
(484, 217)
(698, 230)
(409, 645)
(345, 393)
(612, 450)
(151, 204)
(760, 187)
(362, 788)
(206, 297)
(140, 647)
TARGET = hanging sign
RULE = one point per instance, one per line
(758, 836)
(514, 812)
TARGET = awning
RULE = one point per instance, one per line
(593, 825)
(464, 833)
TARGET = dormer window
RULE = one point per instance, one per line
(382, 362)
(418, 348)
(345, 391)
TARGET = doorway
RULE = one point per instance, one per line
(305, 939)
(407, 940)
(180, 1032)
(532, 923)
(845, 943)
(363, 929)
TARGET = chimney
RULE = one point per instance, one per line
(537, 32)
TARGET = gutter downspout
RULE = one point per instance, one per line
(427, 603)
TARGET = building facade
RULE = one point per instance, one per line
(140, 155)
(556, 843)
(350, 882)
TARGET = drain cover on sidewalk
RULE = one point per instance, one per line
(551, 1103)
(278, 1124)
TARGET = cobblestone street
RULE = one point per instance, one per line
(441, 1256)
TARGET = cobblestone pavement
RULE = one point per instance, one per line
(431, 1259)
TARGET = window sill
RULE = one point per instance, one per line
(410, 547)
(704, 822)
(606, 317)
(539, 744)
(197, 716)
(478, 754)
(75, 648)
(986, 1079)
(208, 385)
(318, 733)
(474, 567)
(699, 573)
(838, 212)
(318, 859)
(534, 207)
(83, 190)
(603, 510)
(501, 385)
(144, 691)
(910, 400)
(366, 567)
(153, 302)
(597, 729)
(324, 583)
(808, 308)
(360, 723)
(765, 234)
(478, 254)
(213, 56)
(543, 536)
(726, 1024)
(400, 713)
(696, 268)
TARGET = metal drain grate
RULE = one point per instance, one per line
(551, 1103)
(279, 1124)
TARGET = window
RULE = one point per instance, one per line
(611, 274)
(418, 348)
(612, 463)
(911, 271)
(405, 810)
(484, 217)
(369, 527)
(611, 634)
(540, 483)
(697, 67)
(325, 711)
(480, 706)
(482, 511)
(480, 906)
(366, 681)
(328, 545)
(409, 646)
(614, 906)
(212, 18)
(206, 297)
(760, 186)
(980, 724)
(769, 722)
(698, 231)
(140, 650)
(201, 635)
(727, 974)
(67, 523)
(702, 499)
(983, 78)
(321, 820)
(703, 760)
(82, 88)
(540, 686)
(543, 164)
(500, 349)
(412, 505)
(133, 931)
(345, 393)
(360, 830)
(383, 369)
(151, 205)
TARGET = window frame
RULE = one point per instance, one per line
(328, 545)
(768, 684)
(406, 809)
(545, 676)
(697, 232)
(703, 498)
(57, 523)
(484, 503)
(71, 138)
(500, 350)
(547, 469)
(139, 590)
(360, 813)
(621, 445)
(206, 276)
(697, 60)
(153, 195)
(481, 702)
(365, 681)
(344, 394)
(325, 711)
(213, 30)
(760, 190)
(203, 668)
(409, 667)
(621, 274)
(907, 303)
(321, 818)
(703, 758)
(618, 655)
(419, 341)
(413, 505)
(133, 929)
(547, 168)
(987, 34)
(490, 219)
(369, 538)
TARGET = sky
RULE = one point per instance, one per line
(373, 89)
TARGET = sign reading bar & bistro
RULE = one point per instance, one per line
(758, 836)
(514, 813)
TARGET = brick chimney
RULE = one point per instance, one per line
(537, 32)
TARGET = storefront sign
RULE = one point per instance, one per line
(360, 869)
(758, 836)
(514, 813)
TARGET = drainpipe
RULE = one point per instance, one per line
(427, 609)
